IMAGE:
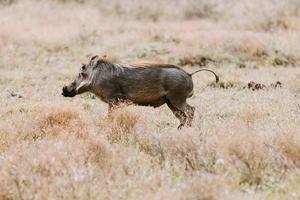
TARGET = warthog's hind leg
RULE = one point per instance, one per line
(179, 114)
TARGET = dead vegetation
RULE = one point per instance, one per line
(244, 142)
(243, 59)
(254, 86)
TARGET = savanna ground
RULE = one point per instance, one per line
(244, 143)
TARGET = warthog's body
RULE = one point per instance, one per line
(143, 84)
(146, 85)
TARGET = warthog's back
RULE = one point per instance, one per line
(146, 83)
(152, 64)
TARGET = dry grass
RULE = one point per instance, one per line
(244, 143)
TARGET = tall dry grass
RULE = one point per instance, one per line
(244, 143)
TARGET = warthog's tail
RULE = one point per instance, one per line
(217, 78)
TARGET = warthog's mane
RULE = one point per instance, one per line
(144, 64)
(104, 62)
(108, 66)
(152, 64)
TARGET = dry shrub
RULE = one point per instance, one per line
(197, 152)
(173, 147)
(279, 21)
(295, 86)
(249, 118)
(246, 149)
(283, 59)
(100, 153)
(205, 187)
(139, 10)
(7, 2)
(195, 61)
(288, 144)
(227, 84)
(204, 59)
(242, 54)
(204, 9)
(260, 86)
(55, 121)
(188, 149)
(44, 17)
(61, 117)
(52, 169)
(121, 122)
(53, 150)
(249, 155)
(238, 85)
(290, 190)
(202, 188)
(266, 16)
(6, 138)
(255, 86)
(46, 121)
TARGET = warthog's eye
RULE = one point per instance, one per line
(83, 74)
(83, 67)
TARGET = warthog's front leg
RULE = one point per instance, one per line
(113, 104)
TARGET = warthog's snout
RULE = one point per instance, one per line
(64, 89)
(67, 92)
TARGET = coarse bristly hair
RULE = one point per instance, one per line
(244, 143)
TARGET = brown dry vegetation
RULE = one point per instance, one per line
(244, 143)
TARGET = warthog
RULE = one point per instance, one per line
(148, 84)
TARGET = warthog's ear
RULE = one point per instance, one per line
(97, 60)
(93, 58)
(94, 61)
(99, 57)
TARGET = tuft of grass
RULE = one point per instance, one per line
(243, 143)
(121, 122)
(288, 144)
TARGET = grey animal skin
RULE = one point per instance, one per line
(147, 84)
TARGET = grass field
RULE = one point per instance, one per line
(244, 142)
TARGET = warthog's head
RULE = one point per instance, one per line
(84, 79)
